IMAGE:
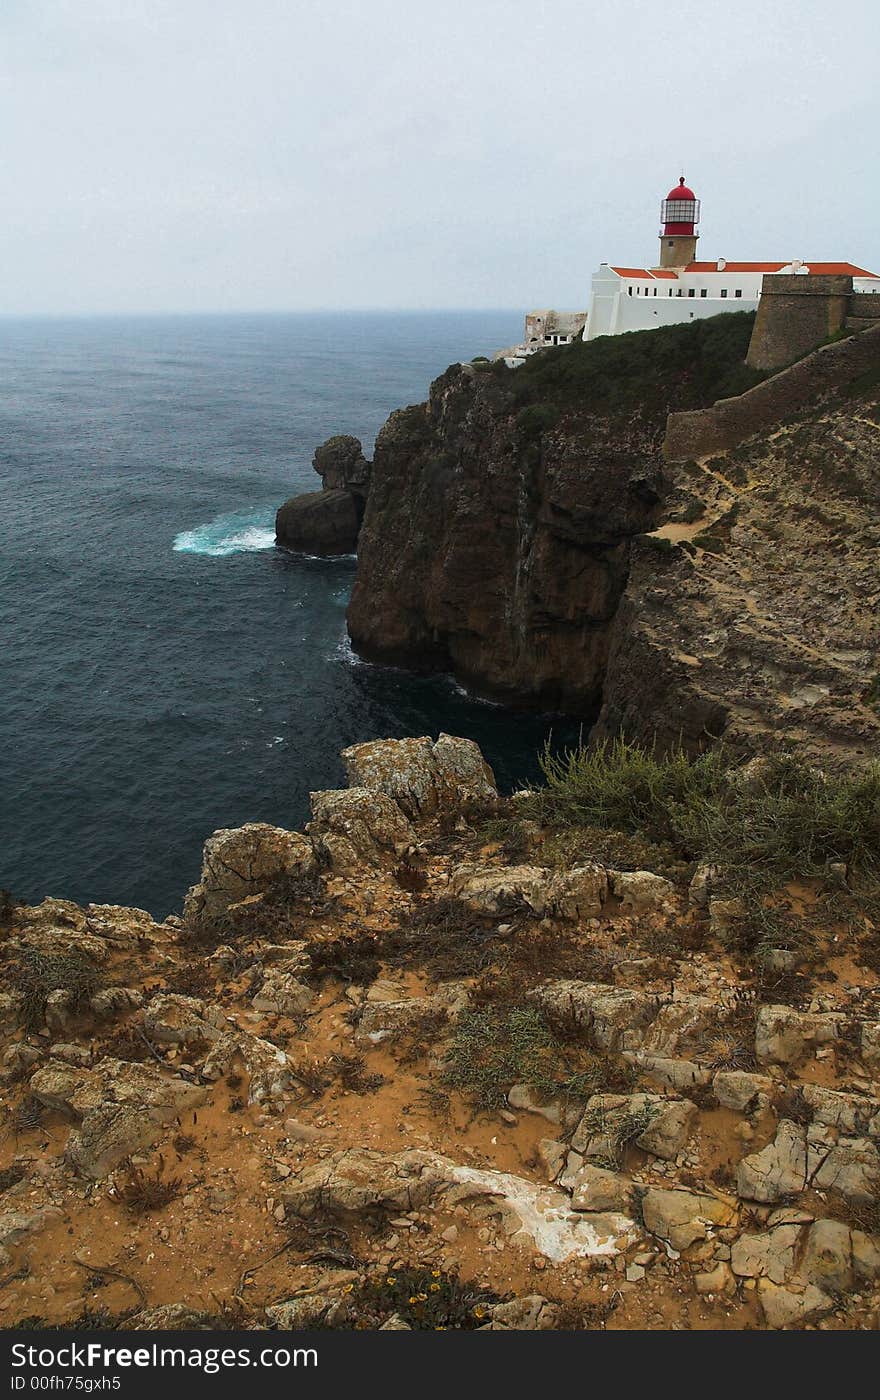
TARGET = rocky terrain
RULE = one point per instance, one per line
(524, 531)
(441, 1061)
(753, 607)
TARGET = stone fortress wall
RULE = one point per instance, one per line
(795, 314)
(730, 421)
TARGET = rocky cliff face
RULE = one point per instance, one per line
(524, 532)
(760, 615)
(497, 535)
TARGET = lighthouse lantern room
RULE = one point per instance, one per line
(679, 214)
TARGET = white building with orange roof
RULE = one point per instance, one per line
(683, 289)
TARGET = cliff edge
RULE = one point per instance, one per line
(525, 530)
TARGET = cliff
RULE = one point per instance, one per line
(498, 527)
(525, 530)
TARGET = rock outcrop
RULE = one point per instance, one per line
(328, 521)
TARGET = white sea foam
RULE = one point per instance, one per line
(243, 533)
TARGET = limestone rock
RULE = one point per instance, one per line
(596, 1189)
(787, 1307)
(172, 1019)
(270, 1076)
(739, 1090)
(282, 994)
(782, 1168)
(784, 1036)
(771, 1254)
(657, 1125)
(391, 1020)
(852, 1167)
(246, 860)
(683, 1217)
(421, 776)
(365, 1180)
(828, 1257)
(640, 890)
(608, 1018)
(353, 827)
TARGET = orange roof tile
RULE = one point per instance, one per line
(820, 269)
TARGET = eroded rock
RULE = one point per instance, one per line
(246, 860)
(354, 827)
(421, 776)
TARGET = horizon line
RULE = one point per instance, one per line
(261, 311)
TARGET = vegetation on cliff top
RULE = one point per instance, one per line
(778, 819)
(673, 367)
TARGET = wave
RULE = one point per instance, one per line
(243, 532)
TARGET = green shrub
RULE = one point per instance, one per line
(496, 1047)
(649, 372)
(625, 787)
(784, 820)
(538, 418)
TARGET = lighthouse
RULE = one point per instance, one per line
(679, 214)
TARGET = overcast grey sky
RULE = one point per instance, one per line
(284, 154)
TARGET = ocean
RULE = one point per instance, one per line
(166, 670)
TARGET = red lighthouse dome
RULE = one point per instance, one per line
(680, 211)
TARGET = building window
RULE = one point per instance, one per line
(691, 292)
(630, 290)
(669, 293)
(678, 293)
(703, 292)
(738, 292)
(655, 291)
(724, 291)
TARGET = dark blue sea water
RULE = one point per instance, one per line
(165, 669)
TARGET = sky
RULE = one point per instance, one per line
(249, 155)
